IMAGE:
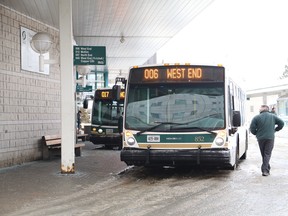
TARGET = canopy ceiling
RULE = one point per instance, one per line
(145, 25)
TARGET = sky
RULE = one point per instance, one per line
(248, 37)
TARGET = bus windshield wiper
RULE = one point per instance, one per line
(158, 125)
(199, 128)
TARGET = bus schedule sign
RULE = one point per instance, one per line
(80, 88)
(89, 55)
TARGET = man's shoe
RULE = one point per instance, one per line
(265, 174)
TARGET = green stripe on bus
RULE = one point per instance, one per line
(172, 138)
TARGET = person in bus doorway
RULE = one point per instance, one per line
(120, 124)
(120, 129)
(264, 126)
(78, 121)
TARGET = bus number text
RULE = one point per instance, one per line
(151, 74)
(199, 139)
(104, 94)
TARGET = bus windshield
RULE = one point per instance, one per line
(106, 112)
(175, 107)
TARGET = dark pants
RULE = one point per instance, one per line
(266, 147)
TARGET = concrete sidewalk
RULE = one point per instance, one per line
(42, 180)
(22, 184)
(282, 133)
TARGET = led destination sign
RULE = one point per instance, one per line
(183, 73)
(173, 73)
(107, 94)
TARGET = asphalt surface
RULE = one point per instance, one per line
(23, 185)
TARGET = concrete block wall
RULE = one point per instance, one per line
(29, 101)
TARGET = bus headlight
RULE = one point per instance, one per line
(131, 141)
(219, 141)
(100, 130)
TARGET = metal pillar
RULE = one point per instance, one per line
(106, 80)
(264, 97)
(68, 123)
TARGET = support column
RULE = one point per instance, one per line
(264, 97)
(68, 113)
(106, 80)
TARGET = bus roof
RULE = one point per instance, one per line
(173, 64)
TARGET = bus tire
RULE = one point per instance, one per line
(244, 156)
(235, 166)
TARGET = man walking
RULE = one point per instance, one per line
(264, 127)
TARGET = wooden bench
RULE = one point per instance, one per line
(52, 146)
(83, 137)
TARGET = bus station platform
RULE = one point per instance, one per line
(24, 184)
(20, 185)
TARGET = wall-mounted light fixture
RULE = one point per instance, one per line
(42, 43)
(83, 70)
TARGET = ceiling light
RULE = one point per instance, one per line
(122, 40)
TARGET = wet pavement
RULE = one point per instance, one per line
(23, 184)
(41, 181)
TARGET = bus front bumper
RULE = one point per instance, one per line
(106, 140)
(171, 157)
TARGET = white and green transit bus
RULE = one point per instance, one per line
(106, 111)
(183, 115)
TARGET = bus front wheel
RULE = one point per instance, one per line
(235, 166)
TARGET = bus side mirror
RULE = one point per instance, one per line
(116, 90)
(236, 121)
(85, 104)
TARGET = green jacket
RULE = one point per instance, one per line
(263, 125)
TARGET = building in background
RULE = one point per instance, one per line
(275, 95)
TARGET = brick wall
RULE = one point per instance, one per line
(29, 102)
